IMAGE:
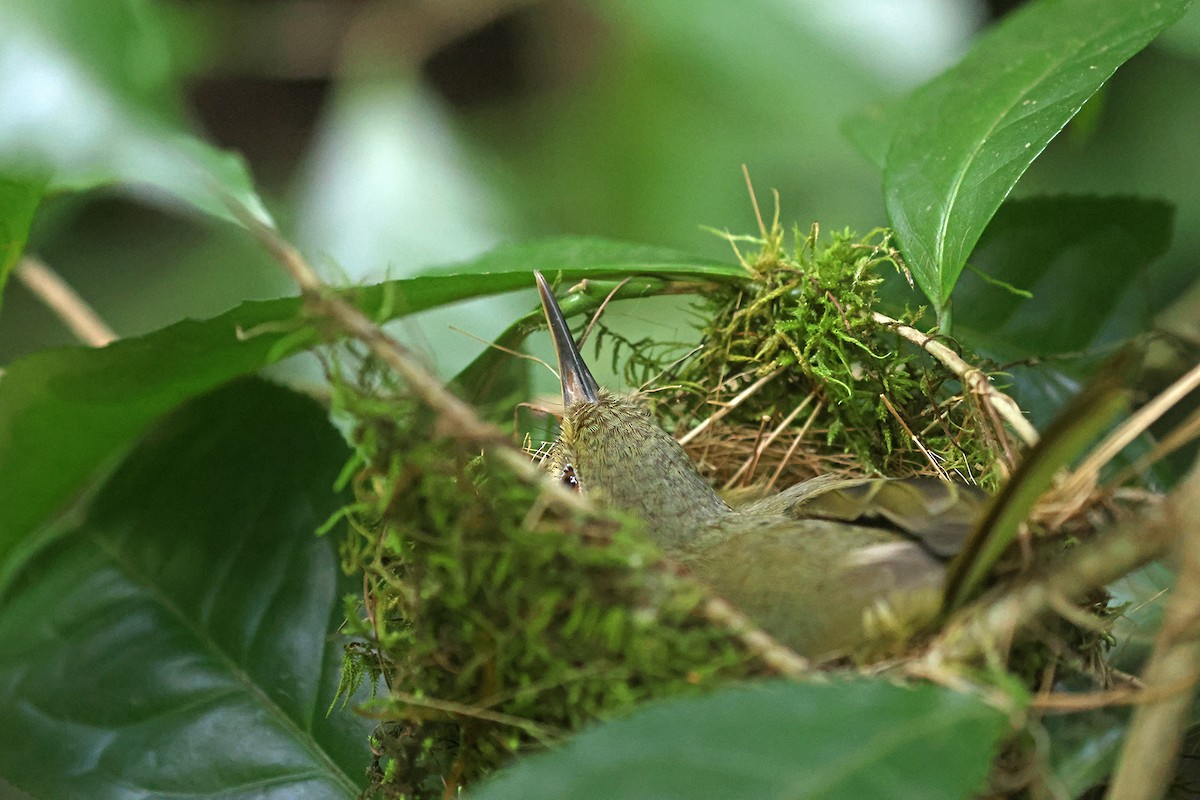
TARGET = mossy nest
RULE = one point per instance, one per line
(493, 622)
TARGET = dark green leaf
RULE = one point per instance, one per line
(963, 140)
(18, 201)
(182, 641)
(1087, 262)
(850, 739)
(62, 412)
(107, 108)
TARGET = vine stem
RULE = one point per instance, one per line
(49, 287)
(973, 379)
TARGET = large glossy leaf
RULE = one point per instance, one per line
(962, 140)
(1086, 261)
(852, 739)
(89, 97)
(62, 412)
(18, 200)
(182, 641)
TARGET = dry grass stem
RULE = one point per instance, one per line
(539, 732)
(916, 440)
(730, 406)
(1180, 435)
(1147, 763)
(1085, 477)
(747, 465)
(49, 287)
(503, 349)
(791, 451)
(592, 323)
(973, 380)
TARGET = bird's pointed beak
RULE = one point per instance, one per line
(578, 385)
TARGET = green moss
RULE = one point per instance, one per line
(807, 317)
(493, 625)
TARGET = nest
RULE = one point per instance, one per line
(495, 621)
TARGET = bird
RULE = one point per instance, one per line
(827, 567)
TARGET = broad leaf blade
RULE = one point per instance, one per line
(183, 640)
(62, 412)
(107, 109)
(851, 740)
(964, 139)
(1087, 261)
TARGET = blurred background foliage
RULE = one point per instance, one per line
(389, 137)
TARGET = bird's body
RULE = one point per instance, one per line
(811, 564)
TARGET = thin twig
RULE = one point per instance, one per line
(49, 287)
(779, 658)
(1151, 747)
(973, 379)
(1127, 696)
(455, 415)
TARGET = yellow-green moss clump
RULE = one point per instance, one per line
(863, 400)
(495, 623)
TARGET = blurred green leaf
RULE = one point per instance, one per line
(90, 98)
(18, 201)
(850, 739)
(183, 641)
(1086, 261)
(62, 412)
(964, 139)
(870, 130)
(1084, 746)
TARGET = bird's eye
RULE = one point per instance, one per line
(568, 477)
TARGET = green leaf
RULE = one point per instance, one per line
(107, 108)
(851, 739)
(182, 641)
(63, 412)
(1087, 262)
(18, 201)
(964, 139)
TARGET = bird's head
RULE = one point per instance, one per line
(611, 449)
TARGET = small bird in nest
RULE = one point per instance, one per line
(826, 566)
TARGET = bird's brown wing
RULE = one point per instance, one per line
(939, 515)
